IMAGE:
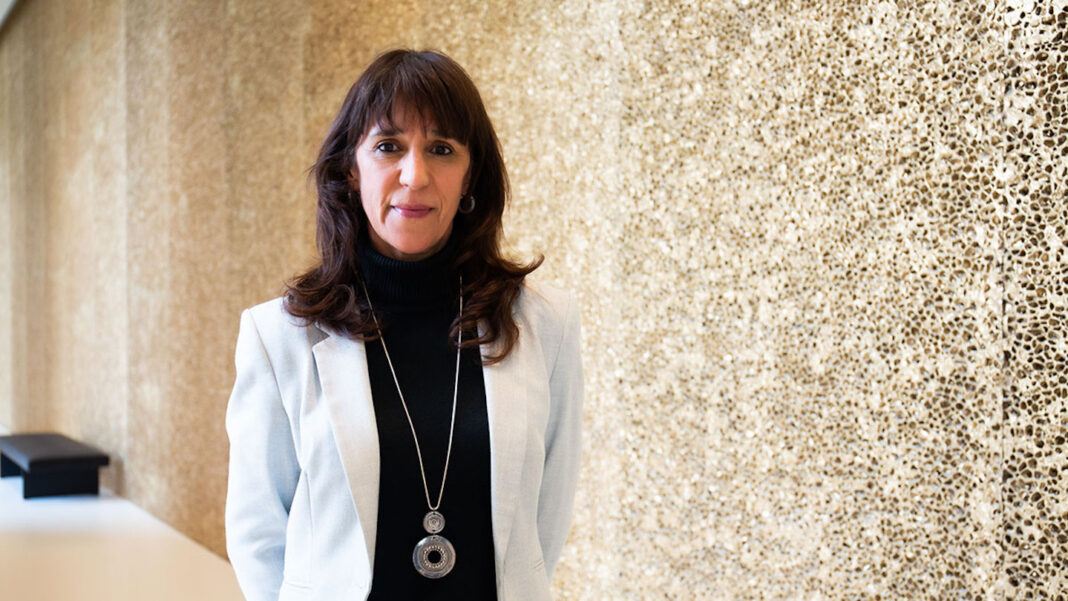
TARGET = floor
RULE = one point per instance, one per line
(86, 547)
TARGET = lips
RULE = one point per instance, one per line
(412, 210)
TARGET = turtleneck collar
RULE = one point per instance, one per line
(409, 284)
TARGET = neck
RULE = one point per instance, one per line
(399, 283)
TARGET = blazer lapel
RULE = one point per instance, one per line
(346, 385)
(342, 365)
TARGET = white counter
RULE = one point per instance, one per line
(86, 547)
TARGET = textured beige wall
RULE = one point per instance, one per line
(216, 220)
(64, 166)
(819, 246)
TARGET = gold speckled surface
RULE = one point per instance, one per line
(819, 245)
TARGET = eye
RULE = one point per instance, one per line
(386, 147)
(442, 149)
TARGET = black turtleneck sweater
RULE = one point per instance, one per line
(415, 302)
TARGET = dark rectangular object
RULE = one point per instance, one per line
(51, 464)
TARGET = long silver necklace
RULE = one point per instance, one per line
(433, 556)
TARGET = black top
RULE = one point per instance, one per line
(416, 302)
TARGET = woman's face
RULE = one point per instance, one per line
(410, 181)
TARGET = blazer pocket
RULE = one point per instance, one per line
(540, 565)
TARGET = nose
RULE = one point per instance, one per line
(413, 171)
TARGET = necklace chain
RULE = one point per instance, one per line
(455, 388)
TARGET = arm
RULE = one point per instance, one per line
(263, 469)
(563, 442)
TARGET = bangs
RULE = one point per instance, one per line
(416, 83)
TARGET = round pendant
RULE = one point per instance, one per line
(433, 522)
(434, 556)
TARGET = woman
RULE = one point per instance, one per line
(405, 421)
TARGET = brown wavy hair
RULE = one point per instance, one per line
(442, 92)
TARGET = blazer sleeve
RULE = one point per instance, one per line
(263, 469)
(563, 441)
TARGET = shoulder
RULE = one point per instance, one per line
(540, 296)
(277, 326)
(271, 314)
(548, 308)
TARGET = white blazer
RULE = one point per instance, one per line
(302, 494)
